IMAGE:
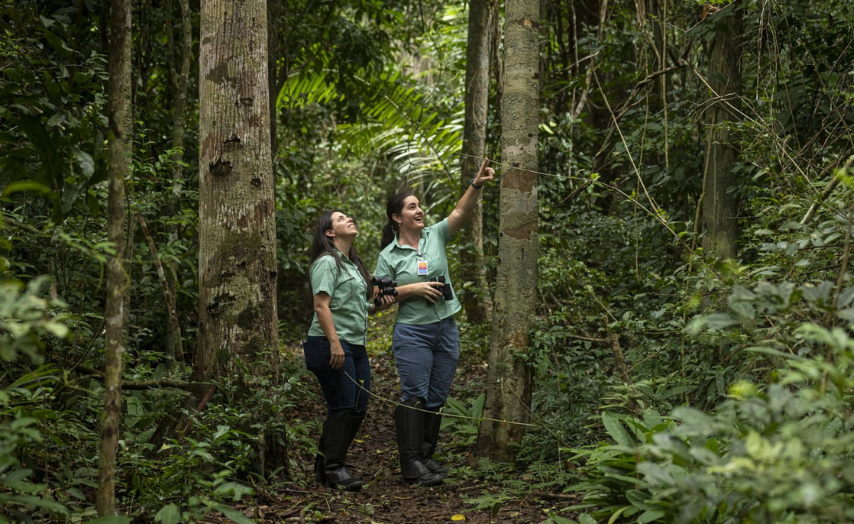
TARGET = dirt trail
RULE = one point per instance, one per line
(385, 499)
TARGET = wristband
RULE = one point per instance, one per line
(476, 186)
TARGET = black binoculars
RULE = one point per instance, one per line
(386, 288)
(447, 293)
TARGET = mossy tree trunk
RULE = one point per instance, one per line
(119, 157)
(475, 297)
(719, 203)
(237, 239)
(509, 380)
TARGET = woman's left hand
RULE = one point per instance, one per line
(386, 302)
(485, 173)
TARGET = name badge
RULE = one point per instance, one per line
(422, 268)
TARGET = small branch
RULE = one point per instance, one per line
(606, 144)
(575, 192)
(555, 496)
(619, 359)
(588, 79)
(826, 193)
(588, 339)
(162, 383)
(204, 402)
(840, 279)
(175, 344)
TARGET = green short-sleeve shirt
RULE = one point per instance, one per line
(401, 264)
(348, 305)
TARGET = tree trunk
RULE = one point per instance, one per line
(174, 341)
(118, 151)
(475, 297)
(181, 101)
(718, 203)
(237, 238)
(509, 380)
(273, 10)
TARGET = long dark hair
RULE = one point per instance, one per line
(322, 245)
(393, 207)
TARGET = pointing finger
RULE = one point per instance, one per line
(483, 166)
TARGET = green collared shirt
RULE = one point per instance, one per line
(348, 305)
(401, 264)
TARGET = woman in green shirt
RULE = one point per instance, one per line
(335, 346)
(426, 341)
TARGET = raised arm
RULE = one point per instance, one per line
(464, 207)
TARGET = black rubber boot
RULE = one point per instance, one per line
(355, 424)
(319, 473)
(337, 434)
(432, 423)
(409, 423)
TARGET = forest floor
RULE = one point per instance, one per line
(385, 498)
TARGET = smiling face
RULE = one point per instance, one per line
(411, 217)
(342, 226)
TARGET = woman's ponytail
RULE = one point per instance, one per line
(388, 235)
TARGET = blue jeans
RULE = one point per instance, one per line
(341, 387)
(426, 357)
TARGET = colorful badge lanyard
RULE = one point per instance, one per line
(422, 263)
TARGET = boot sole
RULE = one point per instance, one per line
(426, 484)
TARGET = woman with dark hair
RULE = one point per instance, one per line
(335, 346)
(426, 341)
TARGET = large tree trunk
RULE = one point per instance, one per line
(119, 157)
(475, 297)
(718, 202)
(237, 238)
(509, 380)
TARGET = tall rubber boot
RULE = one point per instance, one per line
(432, 424)
(356, 423)
(337, 434)
(409, 424)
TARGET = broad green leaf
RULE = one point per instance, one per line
(616, 430)
(233, 514)
(650, 516)
(169, 514)
(584, 518)
(235, 489)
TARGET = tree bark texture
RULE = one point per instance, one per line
(719, 204)
(509, 380)
(237, 238)
(274, 9)
(475, 297)
(118, 155)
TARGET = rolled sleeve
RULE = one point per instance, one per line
(383, 268)
(323, 276)
(443, 231)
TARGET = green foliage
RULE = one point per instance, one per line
(463, 420)
(25, 318)
(52, 102)
(775, 453)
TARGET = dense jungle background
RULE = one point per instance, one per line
(688, 350)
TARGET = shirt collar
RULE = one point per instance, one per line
(424, 234)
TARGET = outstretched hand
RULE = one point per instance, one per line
(485, 173)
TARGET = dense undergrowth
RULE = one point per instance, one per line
(670, 386)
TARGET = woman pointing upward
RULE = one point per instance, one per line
(426, 340)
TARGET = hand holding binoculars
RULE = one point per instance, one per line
(447, 293)
(386, 288)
